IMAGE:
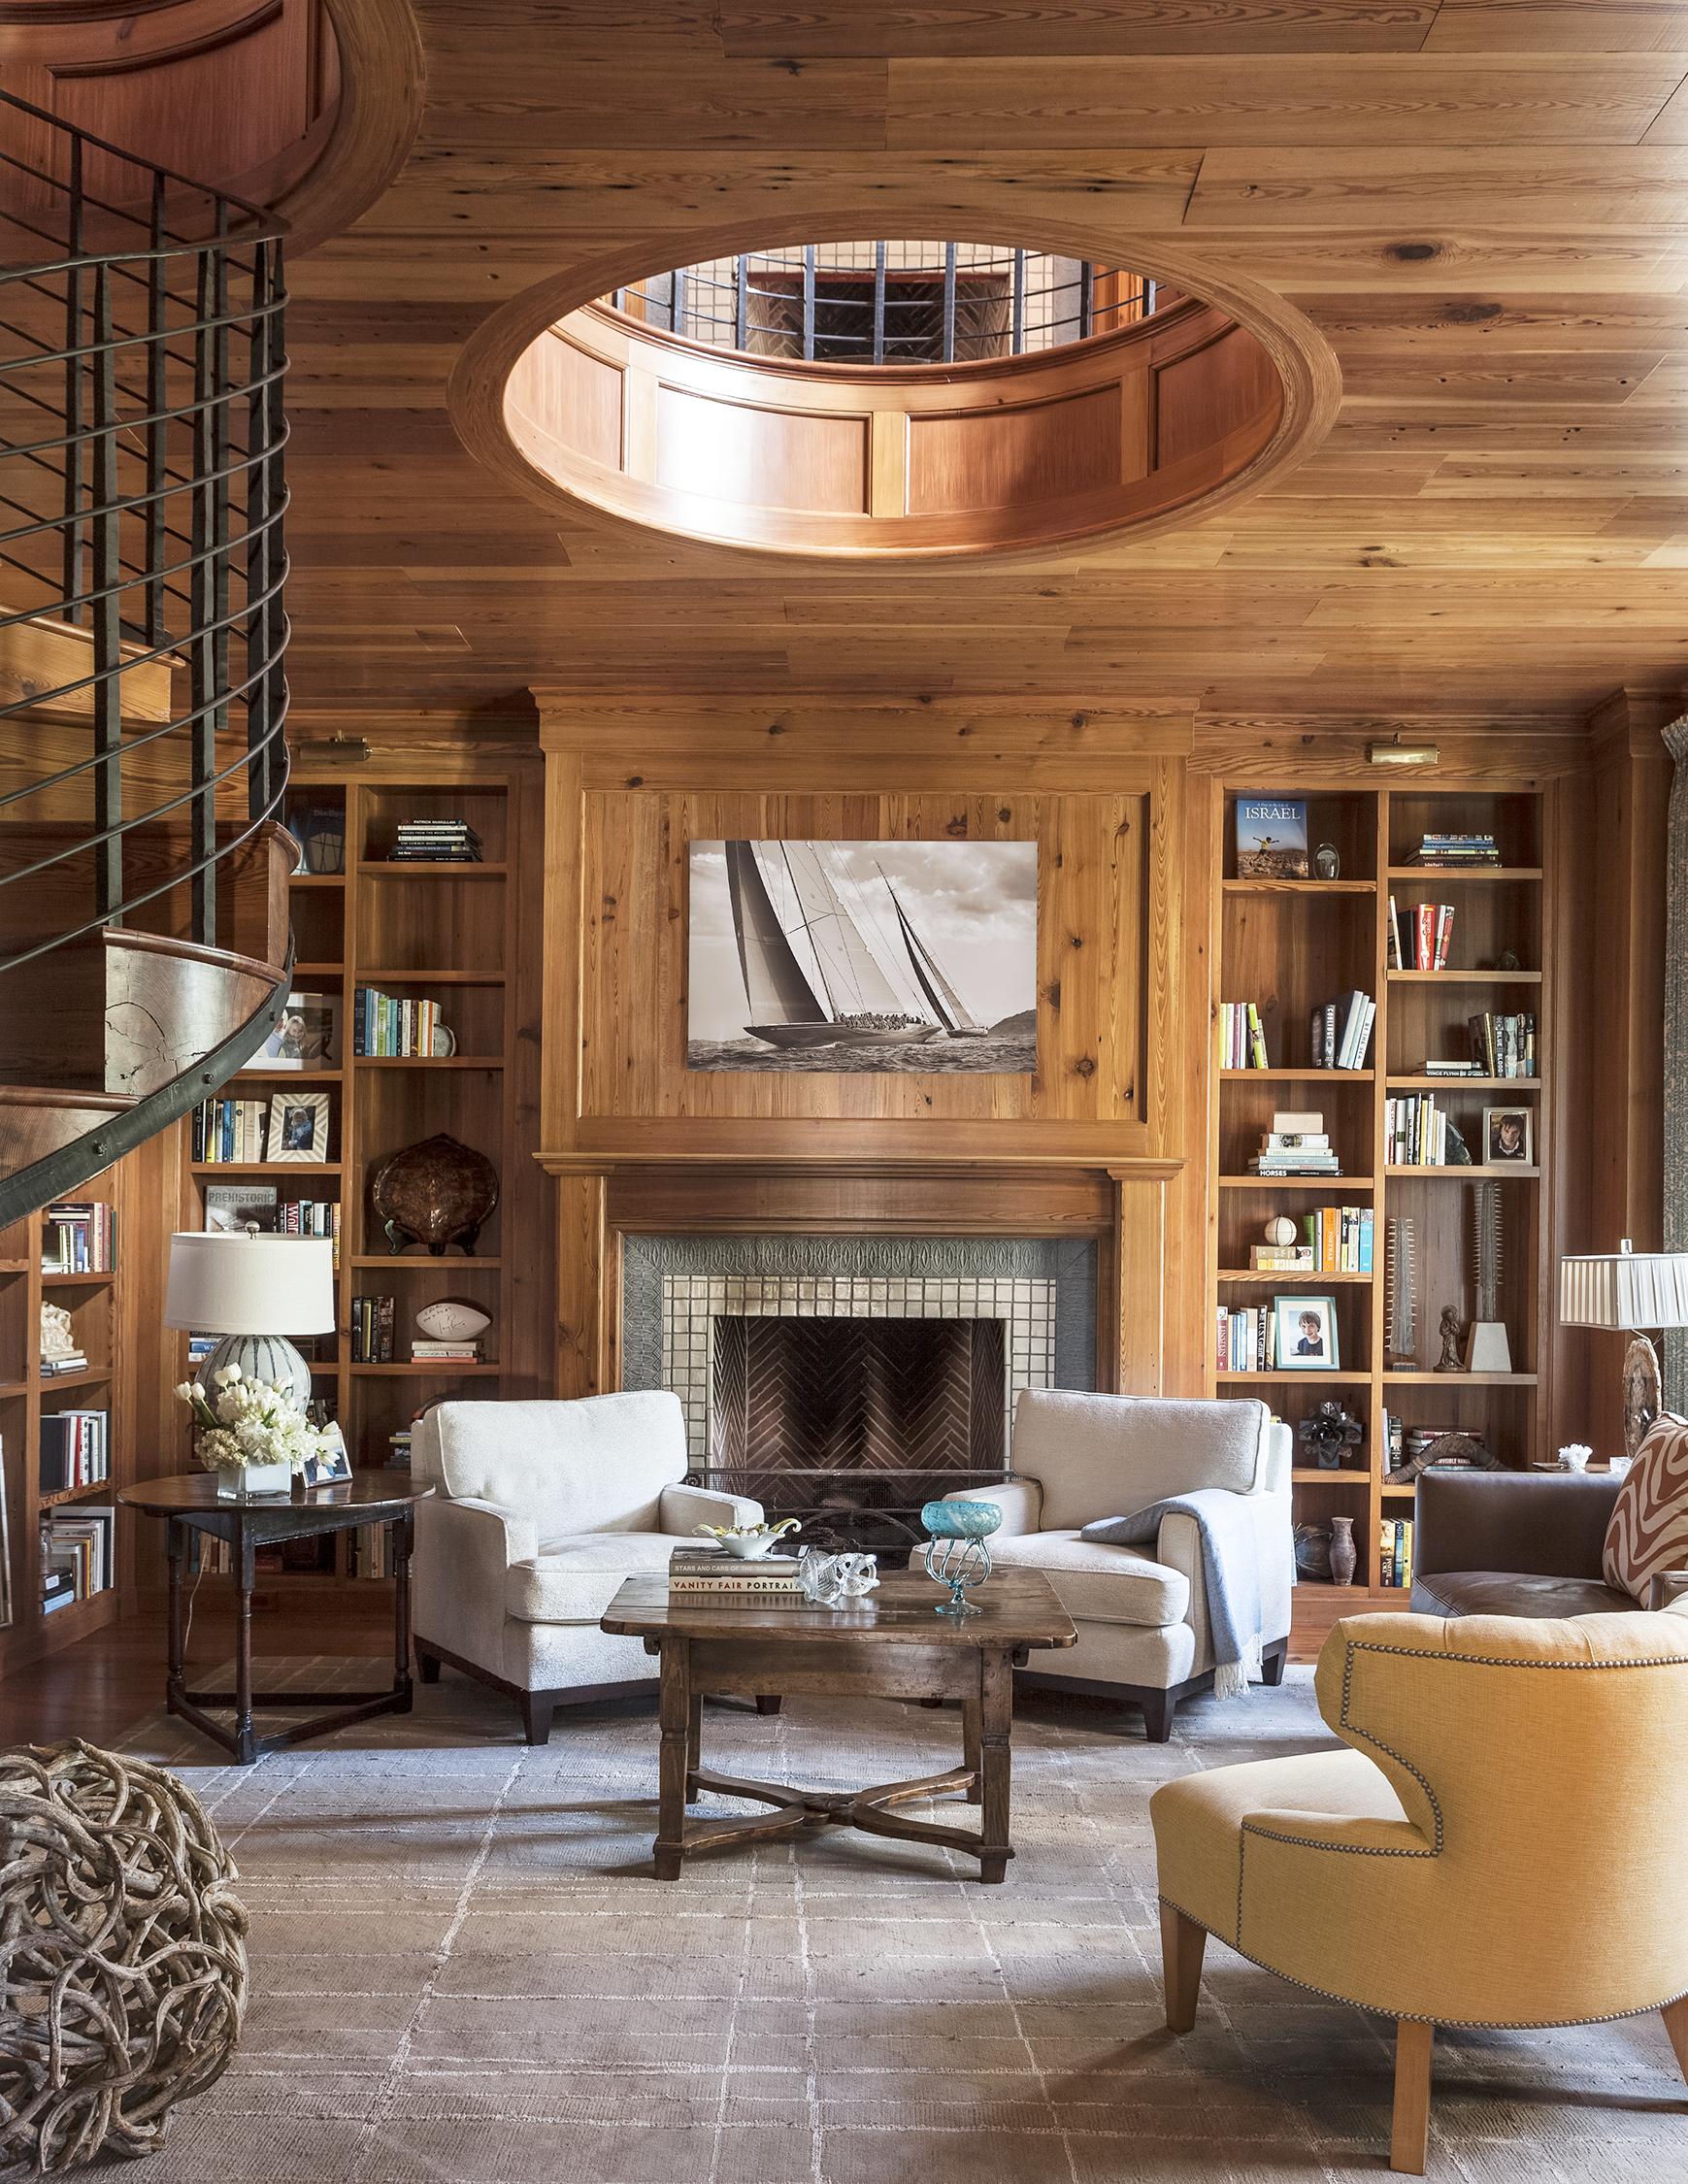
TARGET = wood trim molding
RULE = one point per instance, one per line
(1303, 359)
(376, 120)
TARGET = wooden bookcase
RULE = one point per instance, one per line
(445, 932)
(27, 1395)
(1288, 946)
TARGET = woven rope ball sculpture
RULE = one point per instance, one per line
(122, 1955)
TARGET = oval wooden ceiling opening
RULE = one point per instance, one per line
(896, 397)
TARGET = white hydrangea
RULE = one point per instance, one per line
(243, 1421)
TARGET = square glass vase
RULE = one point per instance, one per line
(255, 1483)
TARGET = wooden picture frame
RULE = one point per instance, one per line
(298, 1127)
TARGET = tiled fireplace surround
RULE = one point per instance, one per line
(676, 1288)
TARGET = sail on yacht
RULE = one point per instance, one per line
(812, 973)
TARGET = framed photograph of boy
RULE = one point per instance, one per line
(1305, 1334)
(298, 1127)
(1508, 1135)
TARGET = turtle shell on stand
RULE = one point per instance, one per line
(435, 1193)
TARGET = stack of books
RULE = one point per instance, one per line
(80, 1236)
(1295, 1152)
(1428, 937)
(372, 1330)
(399, 1450)
(1394, 1551)
(1416, 1131)
(1451, 851)
(1241, 1036)
(1503, 1046)
(425, 1350)
(75, 1450)
(435, 842)
(389, 1026)
(67, 1361)
(1343, 1031)
(1452, 1069)
(702, 1574)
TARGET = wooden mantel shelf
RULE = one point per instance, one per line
(752, 1160)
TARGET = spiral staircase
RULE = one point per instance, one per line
(143, 941)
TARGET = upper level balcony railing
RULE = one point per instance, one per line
(142, 497)
(891, 304)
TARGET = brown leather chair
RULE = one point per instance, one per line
(1517, 1543)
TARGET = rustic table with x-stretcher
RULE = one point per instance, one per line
(890, 1645)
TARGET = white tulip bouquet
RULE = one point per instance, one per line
(242, 1422)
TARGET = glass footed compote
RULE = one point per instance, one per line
(961, 1564)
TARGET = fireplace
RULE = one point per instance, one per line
(850, 1424)
(845, 1379)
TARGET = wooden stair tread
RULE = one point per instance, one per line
(38, 656)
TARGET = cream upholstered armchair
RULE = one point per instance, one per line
(1501, 1844)
(1143, 1633)
(539, 1510)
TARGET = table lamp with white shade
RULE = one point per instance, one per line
(254, 1291)
(1627, 1291)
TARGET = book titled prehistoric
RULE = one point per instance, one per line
(1272, 837)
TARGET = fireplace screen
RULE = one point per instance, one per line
(852, 1424)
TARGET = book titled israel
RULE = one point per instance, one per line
(1272, 837)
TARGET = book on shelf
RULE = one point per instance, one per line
(76, 1554)
(1295, 1153)
(1503, 1046)
(1243, 1338)
(395, 1027)
(1272, 836)
(425, 1350)
(1334, 1240)
(712, 1573)
(1429, 937)
(1282, 1258)
(442, 842)
(1415, 1131)
(372, 1330)
(1449, 851)
(67, 1362)
(1342, 1031)
(1395, 1552)
(79, 1236)
(1241, 1036)
(1451, 1069)
(75, 1450)
(229, 1130)
(399, 1449)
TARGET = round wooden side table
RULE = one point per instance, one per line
(189, 1504)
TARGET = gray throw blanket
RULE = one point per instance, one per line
(1230, 1568)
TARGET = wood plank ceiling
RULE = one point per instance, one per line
(1481, 204)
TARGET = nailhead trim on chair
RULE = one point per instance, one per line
(1372, 1850)
(1384, 2010)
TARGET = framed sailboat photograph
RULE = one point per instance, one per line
(851, 956)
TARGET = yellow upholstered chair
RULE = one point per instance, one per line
(1503, 1843)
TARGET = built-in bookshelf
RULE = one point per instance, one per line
(65, 1454)
(413, 931)
(1288, 944)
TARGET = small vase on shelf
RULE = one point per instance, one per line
(1343, 1556)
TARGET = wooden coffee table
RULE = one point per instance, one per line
(891, 1645)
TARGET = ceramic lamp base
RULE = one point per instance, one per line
(270, 1358)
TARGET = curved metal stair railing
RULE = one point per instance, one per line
(142, 702)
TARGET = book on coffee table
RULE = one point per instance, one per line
(709, 1572)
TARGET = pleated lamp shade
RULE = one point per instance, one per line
(1624, 1289)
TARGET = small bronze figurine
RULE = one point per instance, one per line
(1450, 1360)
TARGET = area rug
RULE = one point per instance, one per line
(462, 1969)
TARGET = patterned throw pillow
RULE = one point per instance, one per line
(1649, 1531)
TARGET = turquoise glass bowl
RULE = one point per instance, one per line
(959, 1519)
